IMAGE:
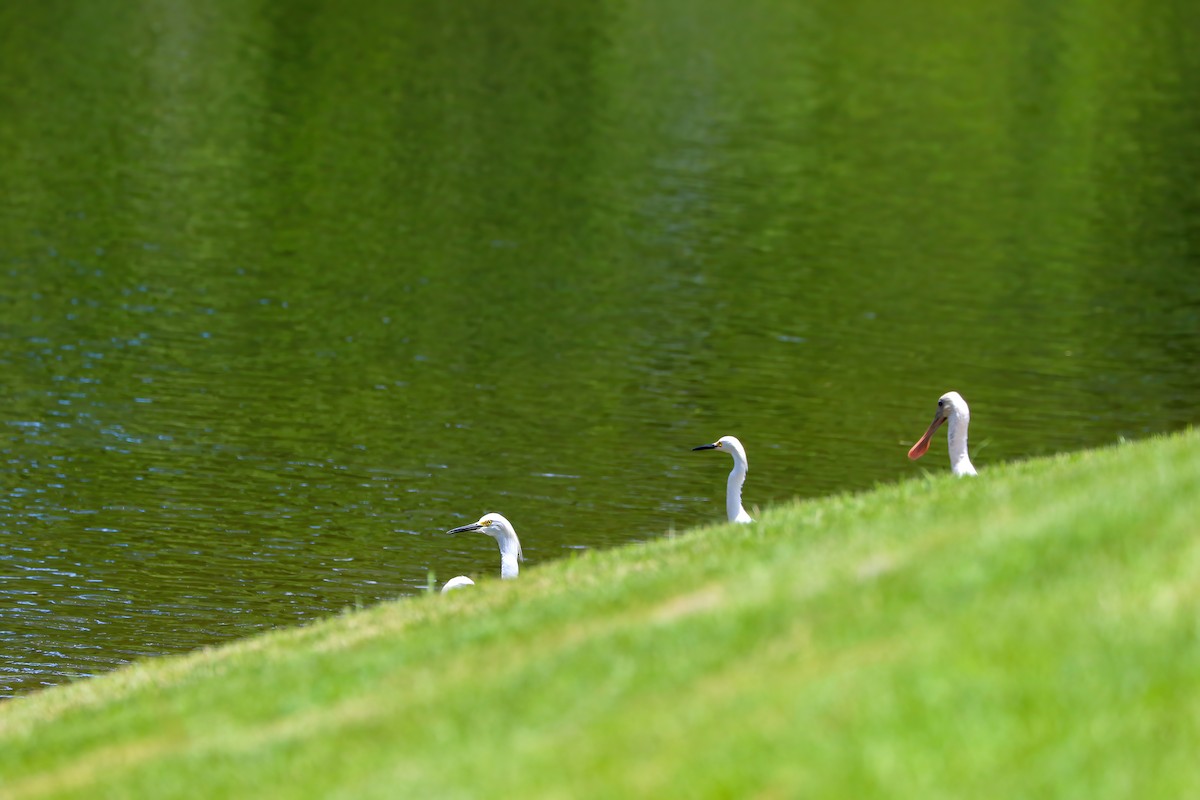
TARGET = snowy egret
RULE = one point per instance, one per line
(500, 529)
(457, 583)
(951, 409)
(733, 492)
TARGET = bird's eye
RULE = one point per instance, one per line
(941, 403)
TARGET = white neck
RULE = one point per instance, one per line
(510, 554)
(956, 435)
(733, 494)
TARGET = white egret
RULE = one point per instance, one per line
(952, 410)
(457, 583)
(733, 492)
(500, 529)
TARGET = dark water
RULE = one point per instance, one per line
(287, 289)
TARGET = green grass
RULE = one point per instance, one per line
(1034, 632)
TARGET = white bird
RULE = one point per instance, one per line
(500, 529)
(951, 409)
(457, 583)
(733, 492)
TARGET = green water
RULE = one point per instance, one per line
(288, 289)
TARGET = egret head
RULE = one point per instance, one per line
(728, 444)
(500, 529)
(494, 525)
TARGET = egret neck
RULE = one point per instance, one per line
(737, 476)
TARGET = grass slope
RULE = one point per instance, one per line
(1033, 632)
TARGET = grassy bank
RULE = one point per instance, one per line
(1033, 632)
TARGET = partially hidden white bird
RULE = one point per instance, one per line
(953, 412)
(733, 491)
(500, 529)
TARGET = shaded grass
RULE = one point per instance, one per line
(1033, 632)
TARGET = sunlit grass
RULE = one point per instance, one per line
(1032, 632)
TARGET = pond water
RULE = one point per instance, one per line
(289, 289)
